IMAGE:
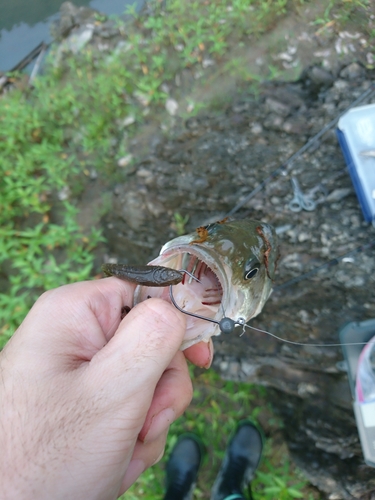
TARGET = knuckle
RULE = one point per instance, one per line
(164, 314)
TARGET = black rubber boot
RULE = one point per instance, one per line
(240, 462)
(182, 468)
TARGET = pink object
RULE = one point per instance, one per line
(365, 383)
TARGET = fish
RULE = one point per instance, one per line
(233, 263)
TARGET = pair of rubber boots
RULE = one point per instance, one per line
(240, 463)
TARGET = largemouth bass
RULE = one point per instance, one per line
(235, 264)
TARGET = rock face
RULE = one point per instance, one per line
(210, 164)
(70, 18)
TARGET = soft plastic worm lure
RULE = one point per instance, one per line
(144, 275)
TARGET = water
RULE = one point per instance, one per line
(24, 24)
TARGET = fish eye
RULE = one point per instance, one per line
(251, 268)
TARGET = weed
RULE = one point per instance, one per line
(100, 18)
(326, 14)
(179, 223)
(36, 253)
(340, 11)
(280, 482)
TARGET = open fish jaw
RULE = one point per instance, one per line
(217, 262)
(190, 294)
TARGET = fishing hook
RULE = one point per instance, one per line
(226, 325)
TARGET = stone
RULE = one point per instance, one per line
(64, 193)
(107, 30)
(206, 63)
(129, 120)
(133, 210)
(248, 368)
(353, 71)
(70, 17)
(3, 81)
(273, 122)
(79, 39)
(171, 106)
(338, 194)
(142, 98)
(125, 160)
(256, 128)
(275, 106)
(296, 126)
(320, 76)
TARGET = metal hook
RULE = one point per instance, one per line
(226, 325)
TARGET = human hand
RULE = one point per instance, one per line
(86, 401)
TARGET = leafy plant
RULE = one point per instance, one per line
(180, 222)
(36, 252)
(278, 482)
(340, 11)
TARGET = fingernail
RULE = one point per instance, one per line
(159, 457)
(135, 469)
(160, 423)
(211, 354)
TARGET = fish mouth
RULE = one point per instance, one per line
(208, 294)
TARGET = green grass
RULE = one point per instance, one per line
(38, 250)
(216, 409)
(341, 11)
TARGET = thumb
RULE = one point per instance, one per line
(145, 343)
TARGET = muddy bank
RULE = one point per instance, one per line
(202, 171)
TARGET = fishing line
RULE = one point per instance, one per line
(301, 343)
